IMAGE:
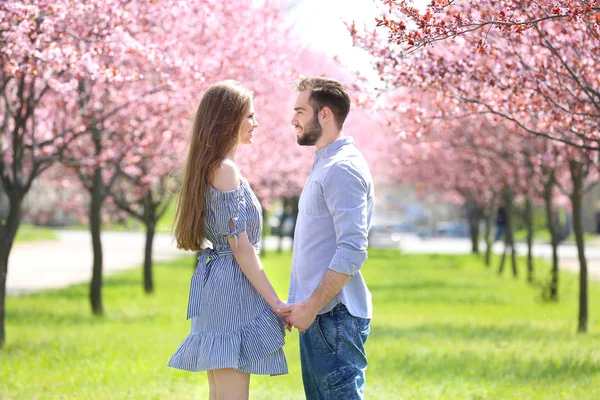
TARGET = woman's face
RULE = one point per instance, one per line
(249, 122)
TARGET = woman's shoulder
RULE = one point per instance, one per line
(226, 177)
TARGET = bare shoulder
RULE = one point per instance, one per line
(227, 177)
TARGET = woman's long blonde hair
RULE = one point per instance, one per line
(214, 135)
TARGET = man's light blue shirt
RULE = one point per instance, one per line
(333, 223)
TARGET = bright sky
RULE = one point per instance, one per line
(320, 24)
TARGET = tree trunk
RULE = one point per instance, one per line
(7, 237)
(550, 223)
(284, 215)
(95, 227)
(577, 176)
(509, 236)
(150, 232)
(504, 251)
(513, 257)
(503, 258)
(294, 202)
(474, 216)
(510, 232)
(488, 238)
(529, 223)
(4, 252)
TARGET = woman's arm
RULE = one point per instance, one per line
(251, 266)
(226, 178)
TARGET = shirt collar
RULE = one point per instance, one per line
(333, 147)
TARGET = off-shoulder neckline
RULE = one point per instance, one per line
(243, 182)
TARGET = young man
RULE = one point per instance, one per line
(329, 301)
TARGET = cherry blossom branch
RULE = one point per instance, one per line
(574, 76)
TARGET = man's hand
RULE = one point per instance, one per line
(298, 314)
(276, 309)
(279, 305)
(287, 324)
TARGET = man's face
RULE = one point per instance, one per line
(306, 121)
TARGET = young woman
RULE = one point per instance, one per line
(235, 330)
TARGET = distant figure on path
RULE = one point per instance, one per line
(500, 224)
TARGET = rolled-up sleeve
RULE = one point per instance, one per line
(346, 194)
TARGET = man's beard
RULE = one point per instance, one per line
(312, 133)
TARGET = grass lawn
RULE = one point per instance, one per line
(444, 328)
(29, 233)
(543, 236)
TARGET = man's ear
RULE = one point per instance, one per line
(326, 114)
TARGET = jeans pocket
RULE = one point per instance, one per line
(321, 333)
(345, 383)
(364, 328)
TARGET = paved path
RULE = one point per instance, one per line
(68, 260)
(567, 253)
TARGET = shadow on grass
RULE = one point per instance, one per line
(422, 285)
(384, 254)
(434, 291)
(471, 366)
(51, 320)
(469, 331)
(419, 262)
(494, 363)
(123, 281)
(491, 333)
(120, 280)
(82, 291)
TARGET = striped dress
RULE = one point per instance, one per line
(232, 325)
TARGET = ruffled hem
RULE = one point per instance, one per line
(202, 351)
(273, 364)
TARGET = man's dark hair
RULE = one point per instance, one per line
(327, 92)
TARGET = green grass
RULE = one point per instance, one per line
(165, 223)
(29, 233)
(543, 235)
(444, 327)
(133, 224)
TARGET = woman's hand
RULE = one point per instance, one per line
(279, 305)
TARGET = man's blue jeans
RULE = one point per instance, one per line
(333, 356)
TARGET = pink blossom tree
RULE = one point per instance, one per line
(42, 55)
(144, 184)
(531, 63)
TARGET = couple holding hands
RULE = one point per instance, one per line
(238, 321)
